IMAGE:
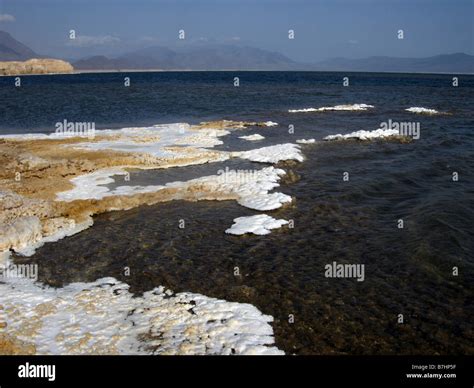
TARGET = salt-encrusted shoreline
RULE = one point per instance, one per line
(47, 165)
(103, 317)
(51, 188)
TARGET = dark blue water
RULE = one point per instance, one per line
(408, 271)
(153, 98)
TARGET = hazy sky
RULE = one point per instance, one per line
(323, 29)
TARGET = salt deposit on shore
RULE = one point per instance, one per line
(63, 180)
(63, 183)
(250, 188)
(260, 224)
(270, 124)
(272, 154)
(103, 317)
(365, 135)
(253, 137)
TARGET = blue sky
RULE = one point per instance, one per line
(323, 29)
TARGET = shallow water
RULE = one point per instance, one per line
(407, 271)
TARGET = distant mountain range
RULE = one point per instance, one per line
(238, 57)
(212, 57)
(12, 50)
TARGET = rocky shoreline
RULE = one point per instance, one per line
(37, 169)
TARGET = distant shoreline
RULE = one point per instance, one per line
(105, 71)
(255, 71)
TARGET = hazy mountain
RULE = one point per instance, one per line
(238, 57)
(448, 63)
(12, 50)
(212, 57)
(235, 57)
(228, 57)
(99, 62)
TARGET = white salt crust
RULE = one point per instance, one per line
(103, 317)
(21, 234)
(131, 139)
(270, 124)
(160, 137)
(66, 231)
(253, 137)
(272, 154)
(353, 107)
(161, 141)
(365, 135)
(92, 185)
(251, 187)
(421, 110)
(135, 137)
(306, 141)
(260, 224)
